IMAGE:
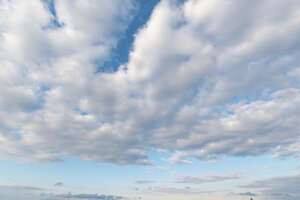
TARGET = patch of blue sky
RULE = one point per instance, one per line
(248, 167)
(89, 176)
(266, 164)
(72, 172)
(82, 113)
(120, 53)
(41, 92)
(50, 5)
(257, 167)
(161, 168)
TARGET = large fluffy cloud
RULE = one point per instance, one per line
(205, 79)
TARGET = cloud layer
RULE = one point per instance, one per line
(89, 196)
(209, 179)
(205, 79)
(281, 188)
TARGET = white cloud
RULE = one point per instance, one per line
(203, 84)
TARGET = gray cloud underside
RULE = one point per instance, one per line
(205, 79)
(58, 184)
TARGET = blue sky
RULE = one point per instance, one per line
(149, 100)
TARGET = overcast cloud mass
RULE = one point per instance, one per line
(205, 80)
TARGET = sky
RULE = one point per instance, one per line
(149, 99)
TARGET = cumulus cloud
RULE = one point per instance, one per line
(205, 79)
